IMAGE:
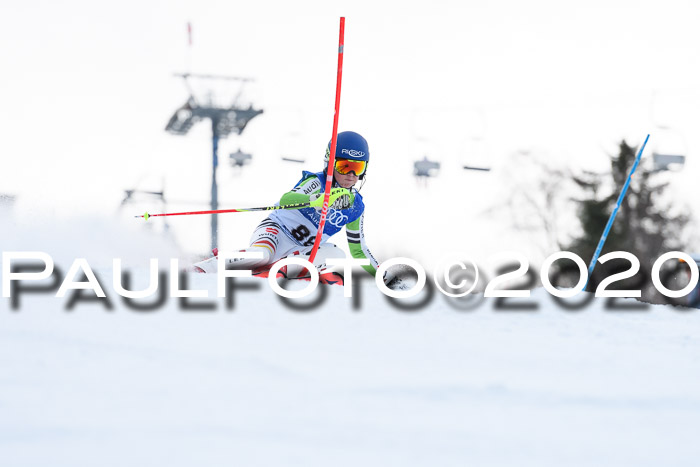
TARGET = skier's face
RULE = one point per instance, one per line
(347, 180)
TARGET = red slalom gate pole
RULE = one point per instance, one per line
(334, 140)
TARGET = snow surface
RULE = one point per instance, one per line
(264, 385)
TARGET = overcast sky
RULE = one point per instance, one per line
(88, 89)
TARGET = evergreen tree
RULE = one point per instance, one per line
(645, 224)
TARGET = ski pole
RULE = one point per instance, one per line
(334, 139)
(604, 237)
(222, 211)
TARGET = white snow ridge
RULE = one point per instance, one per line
(263, 384)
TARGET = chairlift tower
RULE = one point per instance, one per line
(226, 118)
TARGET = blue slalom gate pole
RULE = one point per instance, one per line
(614, 213)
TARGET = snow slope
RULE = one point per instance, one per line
(264, 385)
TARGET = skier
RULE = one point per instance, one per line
(288, 232)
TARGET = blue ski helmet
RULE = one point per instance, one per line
(350, 145)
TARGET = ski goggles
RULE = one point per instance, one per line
(345, 166)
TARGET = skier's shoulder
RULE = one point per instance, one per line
(310, 182)
(307, 174)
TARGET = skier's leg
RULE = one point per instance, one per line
(263, 241)
(325, 251)
(267, 238)
(211, 265)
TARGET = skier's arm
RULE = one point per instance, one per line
(309, 191)
(293, 198)
(302, 191)
(356, 242)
